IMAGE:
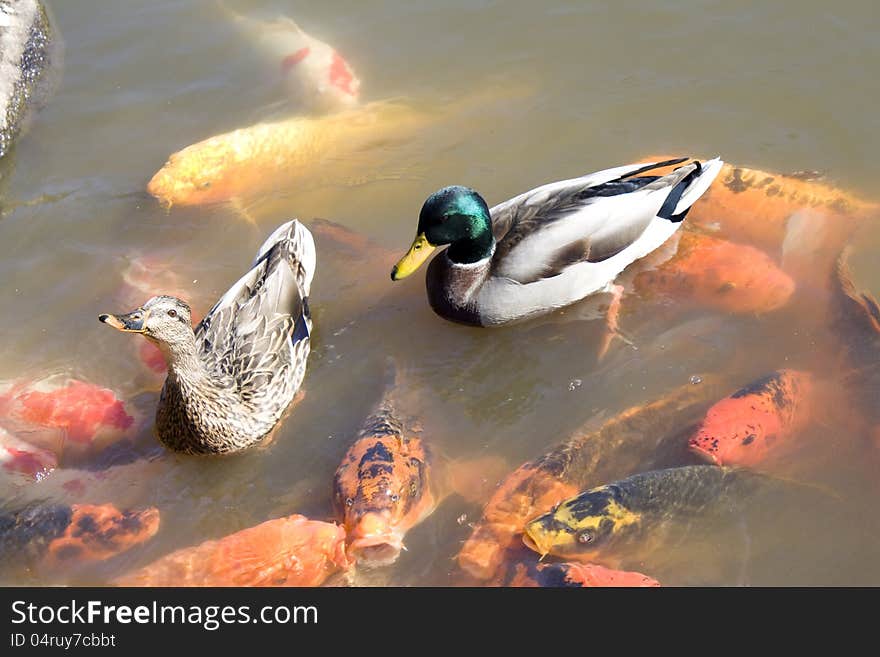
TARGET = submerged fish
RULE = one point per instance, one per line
(621, 446)
(267, 157)
(576, 575)
(756, 421)
(55, 536)
(149, 275)
(66, 416)
(389, 481)
(291, 551)
(712, 272)
(18, 456)
(754, 206)
(634, 515)
(522, 569)
(349, 147)
(383, 488)
(856, 320)
(312, 72)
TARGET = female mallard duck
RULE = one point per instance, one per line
(551, 246)
(231, 379)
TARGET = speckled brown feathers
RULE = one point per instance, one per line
(248, 356)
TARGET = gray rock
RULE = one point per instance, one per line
(29, 64)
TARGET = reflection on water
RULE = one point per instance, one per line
(562, 88)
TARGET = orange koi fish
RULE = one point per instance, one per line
(389, 481)
(283, 155)
(756, 421)
(383, 488)
(68, 417)
(291, 551)
(754, 206)
(576, 575)
(56, 536)
(312, 72)
(731, 277)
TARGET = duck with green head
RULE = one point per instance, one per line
(549, 247)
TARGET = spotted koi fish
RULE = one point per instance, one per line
(625, 444)
(70, 418)
(56, 536)
(719, 274)
(754, 207)
(383, 487)
(756, 421)
(606, 524)
(389, 481)
(291, 551)
(313, 73)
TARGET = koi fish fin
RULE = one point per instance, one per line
(244, 212)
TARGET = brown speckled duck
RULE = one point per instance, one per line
(231, 378)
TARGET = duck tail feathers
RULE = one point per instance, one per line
(693, 184)
(298, 246)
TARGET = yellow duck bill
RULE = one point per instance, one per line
(419, 251)
(132, 322)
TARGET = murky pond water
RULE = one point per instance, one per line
(508, 95)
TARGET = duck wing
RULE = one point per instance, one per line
(258, 332)
(543, 232)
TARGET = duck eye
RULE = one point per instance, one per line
(172, 313)
(584, 538)
(395, 497)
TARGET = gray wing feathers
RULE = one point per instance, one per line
(505, 214)
(551, 228)
(247, 338)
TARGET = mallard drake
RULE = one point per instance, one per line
(551, 246)
(230, 380)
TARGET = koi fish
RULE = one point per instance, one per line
(634, 438)
(70, 418)
(389, 481)
(754, 206)
(522, 569)
(576, 575)
(756, 421)
(606, 524)
(312, 72)
(856, 319)
(146, 276)
(383, 488)
(712, 272)
(267, 157)
(21, 457)
(56, 536)
(290, 551)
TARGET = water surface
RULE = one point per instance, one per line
(780, 87)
